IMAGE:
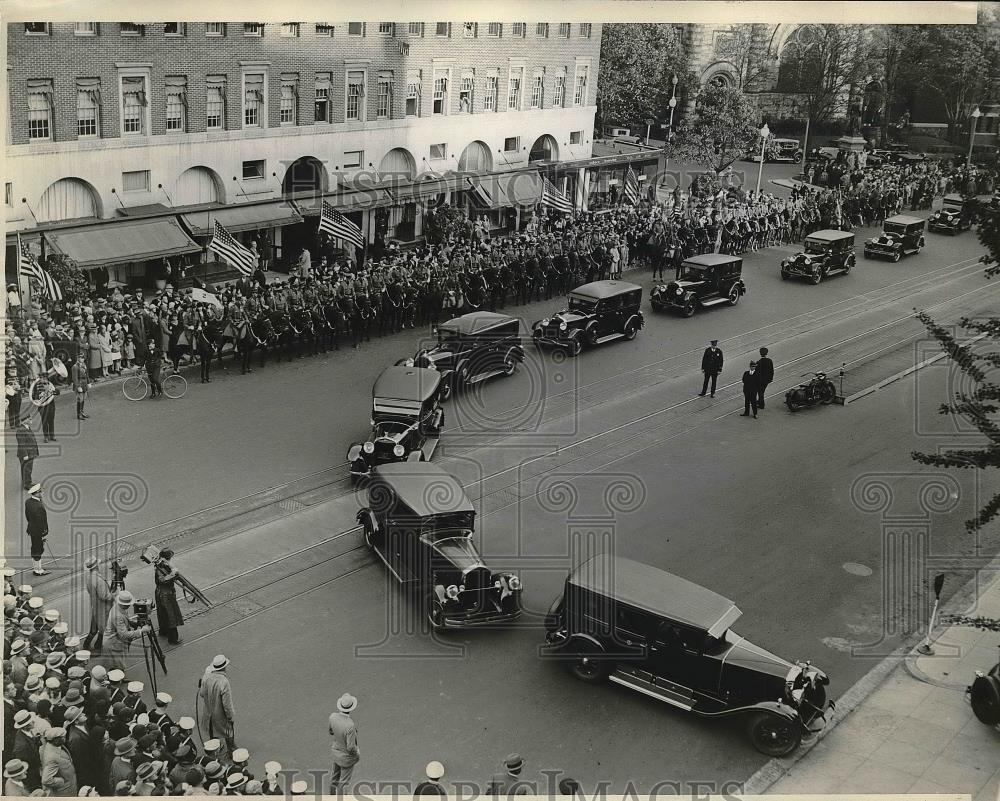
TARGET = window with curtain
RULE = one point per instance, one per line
(580, 94)
(384, 104)
(215, 103)
(585, 28)
(514, 92)
(133, 105)
(564, 30)
(517, 29)
(490, 96)
(289, 96)
(355, 94)
(290, 29)
(559, 91)
(386, 28)
(465, 93)
(322, 101)
(176, 108)
(253, 101)
(416, 29)
(39, 110)
(86, 29)
(88, 108)
(413, 94)
(215, 29)
(440, 92)
(542, 30)
(537, 91)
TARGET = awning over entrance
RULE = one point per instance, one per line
(349, 201)
(249, 217)
(512, 189)
(133, 240)
(422, 191)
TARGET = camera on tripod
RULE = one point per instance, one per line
(142, 607)
(118, 574)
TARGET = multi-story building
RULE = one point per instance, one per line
(125, 141)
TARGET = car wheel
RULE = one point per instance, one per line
(589, 667)
(592, 335)
(774, 735)
(435, 613)
(785, 276)
(794, 400)
(734, 295)
(984, 696)
(920, 244)
(509, 365)
(445, 392)
(369, 535)
(848, 266)
(896, 256)
(688, 309)
(827, 393)
(630, 331)
(816, 278)
(462, 375)
(575, 347)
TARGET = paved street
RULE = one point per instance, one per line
(760, 510)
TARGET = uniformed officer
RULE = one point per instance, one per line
(711, 366)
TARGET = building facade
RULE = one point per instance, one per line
(190, 122)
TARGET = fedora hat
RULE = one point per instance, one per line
(125, 746)
(22, 719)
(220, 662)
(347, 703)
(15, 769)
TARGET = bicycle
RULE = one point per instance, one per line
(136, 387)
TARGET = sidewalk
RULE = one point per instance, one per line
(914, 732)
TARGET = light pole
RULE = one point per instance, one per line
(764, 133)
(972, 135)
(649, 124)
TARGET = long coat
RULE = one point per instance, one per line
(87, 761)
(26, 749)
(101, 599)
(58, 773)
(711, 361)
(168, 613)
(216, 699)
(37, 517)
(118, 637)
(344, 748)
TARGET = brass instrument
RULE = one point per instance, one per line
(41, 392)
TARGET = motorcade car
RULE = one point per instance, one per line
(829, 151)
(420, 523)
(661, 635)
(710, 279)
(825, 253)
(598, 312)
(472, 348)
(781, 150)
(953, 217)
(406, 422)
(901, 235)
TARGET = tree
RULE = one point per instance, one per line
(724, 127)
(71, 279)
(977, 404)
(638, 62)
(899, 65)
(747, 49)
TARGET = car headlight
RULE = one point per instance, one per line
(807, 260)
(398, 450)
(784, 262)
(545, 321)
(562, 326)
(514, 583)
(452, 591)
(372, 422)
(368, 447)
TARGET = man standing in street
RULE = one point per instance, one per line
(27, 450)
(508, 781)
(751, 388)
(344, 748)
(216, 698)
(168, 612)
(58, 773)
(118, 633)
(38, 527)
(81, 383)
(765, 373)
(711, 366)
(101, 601)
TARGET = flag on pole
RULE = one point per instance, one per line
(28, 267)
(554, 198)
(224, 244)
(337, 225)
(631, 186)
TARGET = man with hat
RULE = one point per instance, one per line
(86, 763)
(216, 697)
(121, 766)
(185, 727)
(38, 526)
(101, 602)
(81, 383)
(215, 774)
(58, 773)
(507, 781)
(751, 389)
(27, 450)
(344, 748)
(271, 785)
(211, 750)
(711, 366)
(134, 698)
(194, 782)
(235, 782)
(25, 748)
(146, 776)
(168, 612)
(119, 634)
(184, 758)
(18, 662)
(432, 784)
(15, 774)
(159, 717)
(98, 691)
(240, 763)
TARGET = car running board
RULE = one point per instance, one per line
(714, 301)
(608, 338)
(483, 376)
(666, 691)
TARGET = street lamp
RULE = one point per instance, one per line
(764, 133)
(649, 124)
(972, 135)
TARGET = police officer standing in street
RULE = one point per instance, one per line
(38, 527)
(711, 366)
(27, 450)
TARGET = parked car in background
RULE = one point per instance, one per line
(901, 235)
(668, 638)
(598, 312)
(953, 217)
(825, 253)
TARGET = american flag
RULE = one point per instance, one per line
(337, 225)
(28, 267)
(554, 198)
(224, 244)
(631, 187)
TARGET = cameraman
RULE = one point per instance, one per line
(168, 613)
(119, 633)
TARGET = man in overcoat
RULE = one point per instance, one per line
(216, 699)
(711, 366)
(101, 601)
(118, 633)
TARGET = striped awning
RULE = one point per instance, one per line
(122, 242)
(249, 217)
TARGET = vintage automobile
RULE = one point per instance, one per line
(406, 420)
(596, 313)
(420, 523)
(829, 151)
(901, 235)
(826, 253)
(472, 348)
(952, 218)
(781, 150)
(668, 638)
(707, 280)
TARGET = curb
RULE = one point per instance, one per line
(776, 768)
